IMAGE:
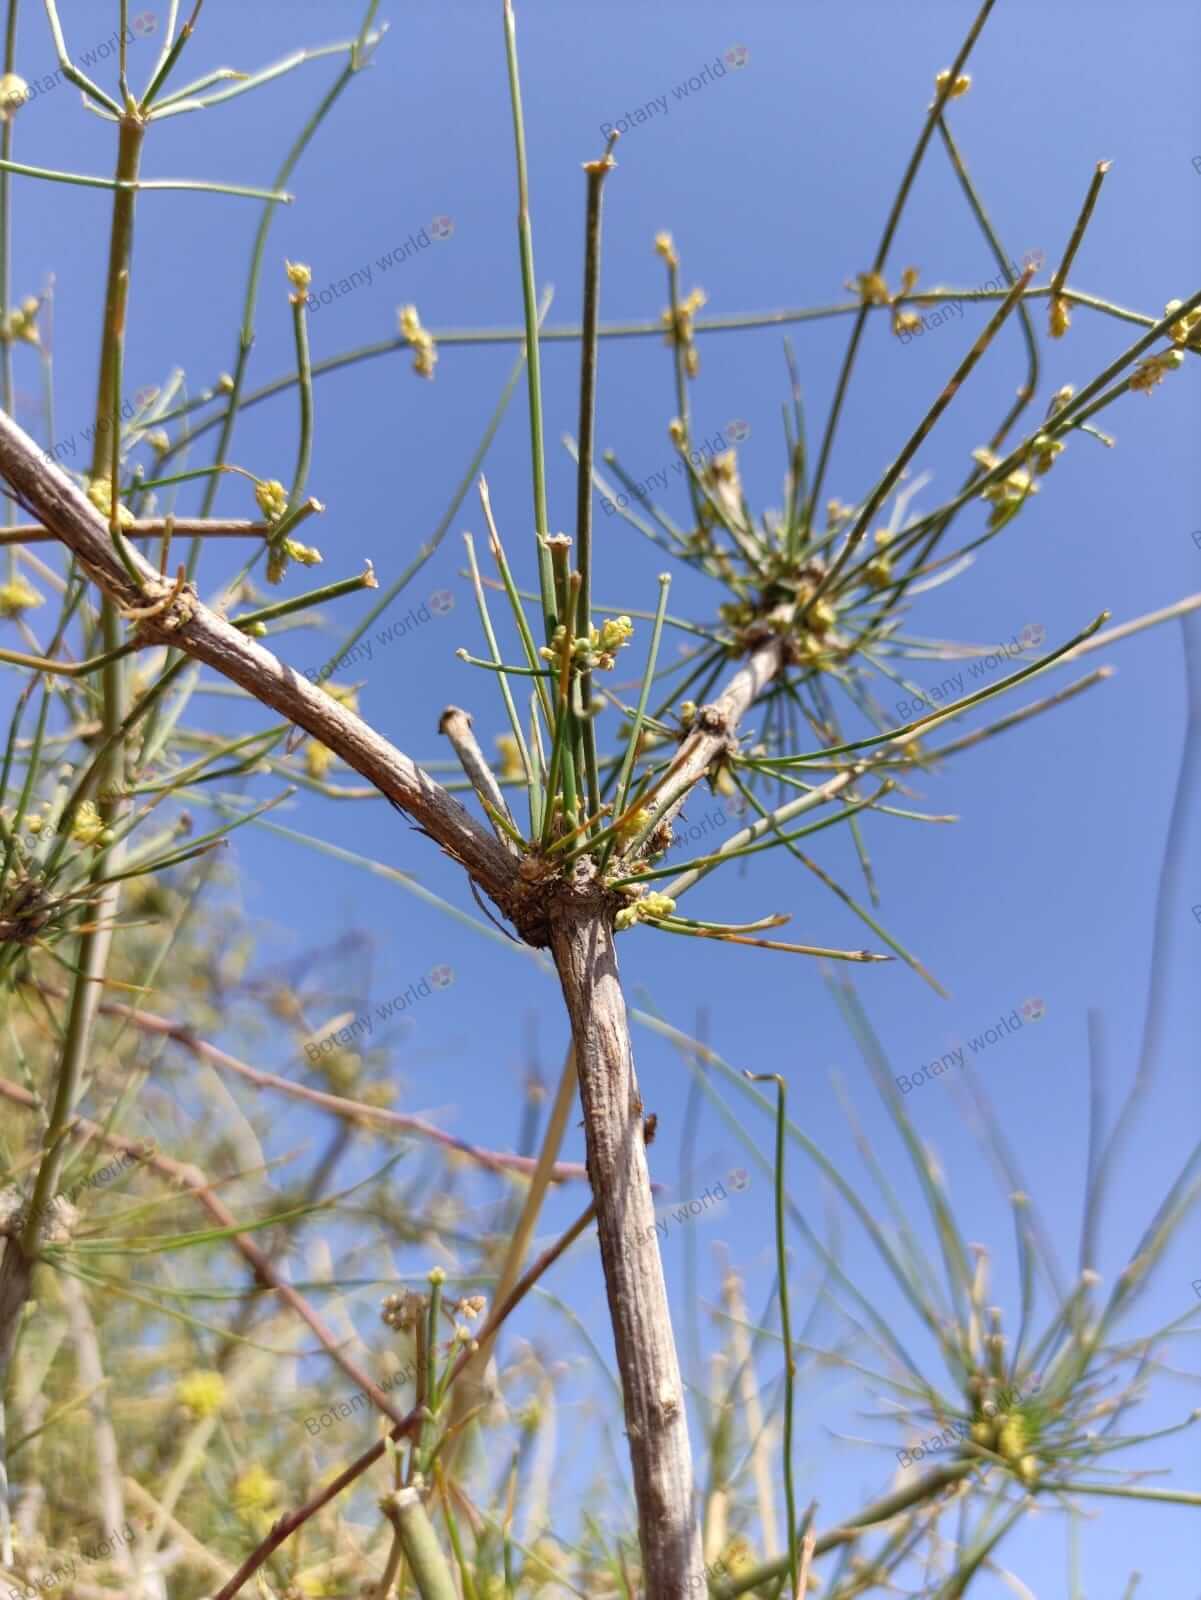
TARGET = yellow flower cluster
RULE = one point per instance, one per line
(960, 87)
(649, 908)
(905, 321)
(202, 1392)
(1044, 453)
(89, 826)
(870, 287)
(510, 757)
(272, 498)
(1151, 372)
(878, 572)
(872, 290)
(255, 1490)
(1008, 493)
(665, 248)
(1187, 331)
(1009, 1435)
(594, 651)
(290, 550)
(22, 323)
(100, 493)
(318, 759)
(299, 276)
(678, 325)
(17, 596)
(425, 353)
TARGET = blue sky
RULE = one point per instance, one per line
(774, 180)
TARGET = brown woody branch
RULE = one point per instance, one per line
(190, 626)
(353, 1110)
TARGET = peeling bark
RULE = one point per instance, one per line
(656, 1419)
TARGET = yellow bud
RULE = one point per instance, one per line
(272, 498)
(17, 596)
(202, 1392)
(960, 86)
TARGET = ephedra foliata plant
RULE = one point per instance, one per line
(775, 702)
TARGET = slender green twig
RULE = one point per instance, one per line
(68, 68)
(625, 771)
(734, 323)
(302, 602)
(1082, 222)
(166, 185)
(173, 49)
(246, 332)
(304, 449)
(506, 693)
(916, 439)
(885, 245)
(596, 172)
(532, 331)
